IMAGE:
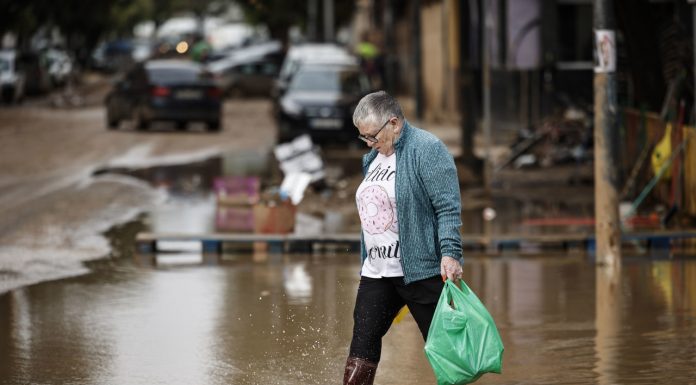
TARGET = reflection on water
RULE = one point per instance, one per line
(191, 204)
(297, 284)
(282, 319)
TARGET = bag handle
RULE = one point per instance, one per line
(451, 287)
(455, 319)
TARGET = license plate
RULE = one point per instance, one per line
(326, 124)
(189, 94)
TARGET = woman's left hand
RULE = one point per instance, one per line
(450, 269)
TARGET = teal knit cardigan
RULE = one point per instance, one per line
(428, 203)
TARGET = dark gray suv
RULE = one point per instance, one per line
(319, 100)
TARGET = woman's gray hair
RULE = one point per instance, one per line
(376, 108)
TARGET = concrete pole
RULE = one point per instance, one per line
(606, 138)
(607, 222)
(608, 324)
(328, 20)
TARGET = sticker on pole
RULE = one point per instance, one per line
(605, 47)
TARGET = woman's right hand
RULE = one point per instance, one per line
(450, 269)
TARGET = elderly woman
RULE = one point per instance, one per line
(410, 212)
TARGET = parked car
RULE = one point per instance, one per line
(37, 76)
(142, 50)
(60, 66)
(246, 78)
(298, 55)
(165, 90)
(249, 71)
(12, 78)
(113, 56)
(320, 100)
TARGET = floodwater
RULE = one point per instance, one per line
(258, 318)
(254, 317)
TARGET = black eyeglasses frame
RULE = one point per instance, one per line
(373, 138)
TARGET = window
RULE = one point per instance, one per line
(348, 81)
(172, 75)
(269, 69)
(575, 32)
(247, 69)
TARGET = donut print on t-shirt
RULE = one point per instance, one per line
(375, 209)
(376, 203)
(395, 223)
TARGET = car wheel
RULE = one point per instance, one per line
(111, 123)
(213, 125)
(140, 122)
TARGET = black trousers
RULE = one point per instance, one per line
(377, 303)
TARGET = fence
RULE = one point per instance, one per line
(641, 130)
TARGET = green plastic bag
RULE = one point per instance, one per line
(463, 342)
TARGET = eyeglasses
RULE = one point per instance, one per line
(372, 138)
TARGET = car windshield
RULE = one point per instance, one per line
(345, 81)
(175, 75)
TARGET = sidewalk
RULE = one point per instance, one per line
(451, 134)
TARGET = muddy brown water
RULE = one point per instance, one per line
(286, 319)
(260, 318)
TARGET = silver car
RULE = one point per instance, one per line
(12, 78)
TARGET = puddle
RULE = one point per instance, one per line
(191, 204)
(195, 179)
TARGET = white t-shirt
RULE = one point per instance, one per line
(376, 202)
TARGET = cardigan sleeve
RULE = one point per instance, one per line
(439, 175)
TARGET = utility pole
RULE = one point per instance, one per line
(606, 138)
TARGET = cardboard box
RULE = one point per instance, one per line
(234, 219)
(274, 218)
(261, 218)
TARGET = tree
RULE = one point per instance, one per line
(85, 23)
